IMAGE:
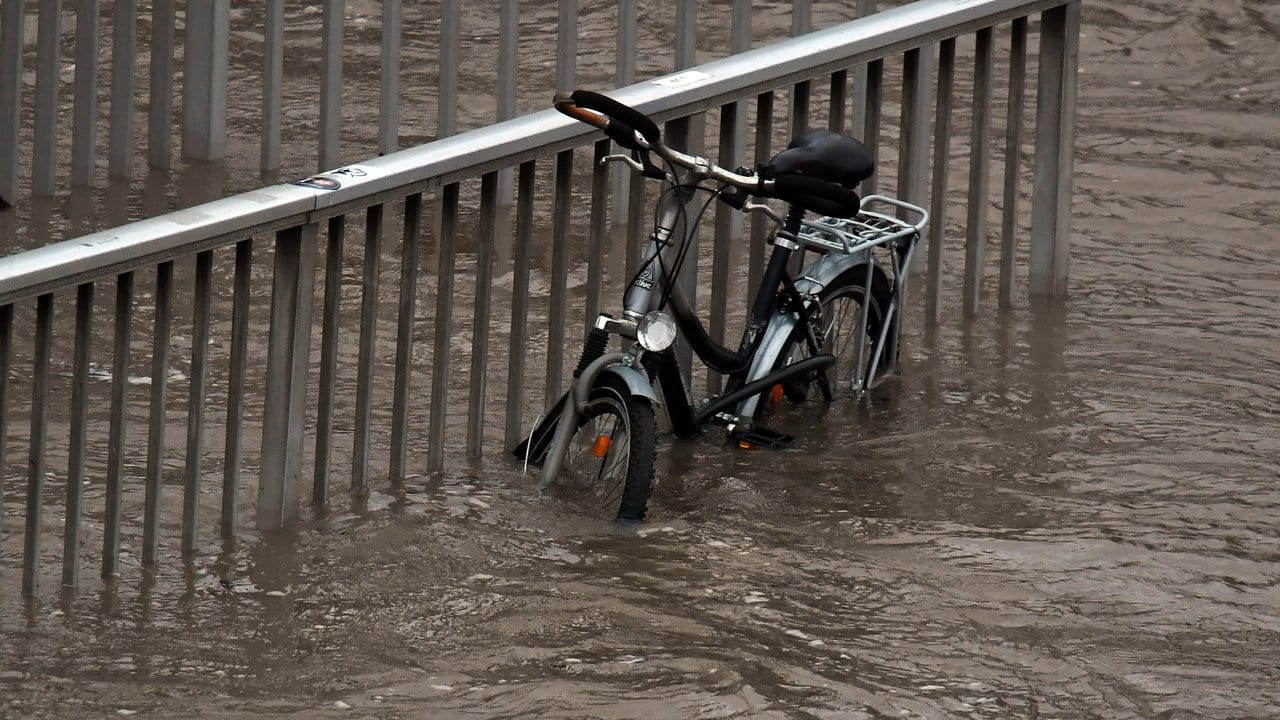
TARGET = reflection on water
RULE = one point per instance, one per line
(1069, 510)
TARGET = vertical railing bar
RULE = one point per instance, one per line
(84, 136)
(508, 74)
(520, 302)
(801, 17)
(160, 121)
(913, 153)
(625, 74)
(979, 171)
(288, 350)
(35, 456)
(740, 27)
(597, 227)
(367, 348)
(485, 240)
(124, 41)
(723, 238)
(560, 221)
(681, 133)
(328, 358)
(566, 45)
(300, 362)
(204, 77)
(635, 239)
(874, 94)
(760, 226)
(1055, 121)
(331, 28)
(839, 97)
(44, 151)
(1014, 134)
(389, 98)
(450, 30)
(156, 420)
(196, 400)
(444, 325)
(858, 110)
(79, 420)
(941, 161)
(800, 107)
(686, 34)
(12, 26)
(116, 437)
(801, 23)
(272, 79)
(6, 342)
(404, 337)
(241, 283)
(508, 58)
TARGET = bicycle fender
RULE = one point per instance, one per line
(773, 342)
(815, 277)
(636, 381)
(826, 269)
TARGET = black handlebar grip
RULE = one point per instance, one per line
(617, 111)
(820, 196)
(622, 134)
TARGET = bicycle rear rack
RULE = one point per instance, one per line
(868, 229)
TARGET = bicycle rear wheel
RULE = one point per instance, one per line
(839, 312)
(611, 455)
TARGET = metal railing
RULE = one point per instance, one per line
(299, 221)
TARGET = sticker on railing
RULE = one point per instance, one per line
(334, 179)
(682, 79)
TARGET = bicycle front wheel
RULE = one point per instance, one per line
(841, 305)
(611, 455)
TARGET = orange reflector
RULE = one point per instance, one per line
(775, 395)
(745, 445)
(600, 446)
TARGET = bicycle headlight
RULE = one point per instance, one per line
(656, 331)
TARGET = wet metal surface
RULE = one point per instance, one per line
(1065, 511)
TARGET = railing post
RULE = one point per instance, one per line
(12, 25)
(44, 153)
(84, 140)
(272, 79)
(124, 42)
(389, 97)
(287, 354)
(913, 155)
(331, 27)
(1055, 149)
(159, 123)
(858, 113)
(204, 81)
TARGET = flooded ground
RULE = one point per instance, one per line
(1069, 510)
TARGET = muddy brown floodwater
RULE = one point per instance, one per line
(1069, 510)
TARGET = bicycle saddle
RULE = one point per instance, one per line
(824, 155)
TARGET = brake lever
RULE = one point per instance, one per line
(638, 162)
(764, 210)
(633, 164)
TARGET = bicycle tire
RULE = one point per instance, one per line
(840, 303)
(594, 461)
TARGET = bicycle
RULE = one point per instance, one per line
(603, 429)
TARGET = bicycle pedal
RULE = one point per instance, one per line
(748, 438)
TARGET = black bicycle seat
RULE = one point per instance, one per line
(823, 155)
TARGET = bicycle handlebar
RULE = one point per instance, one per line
(633, 130)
